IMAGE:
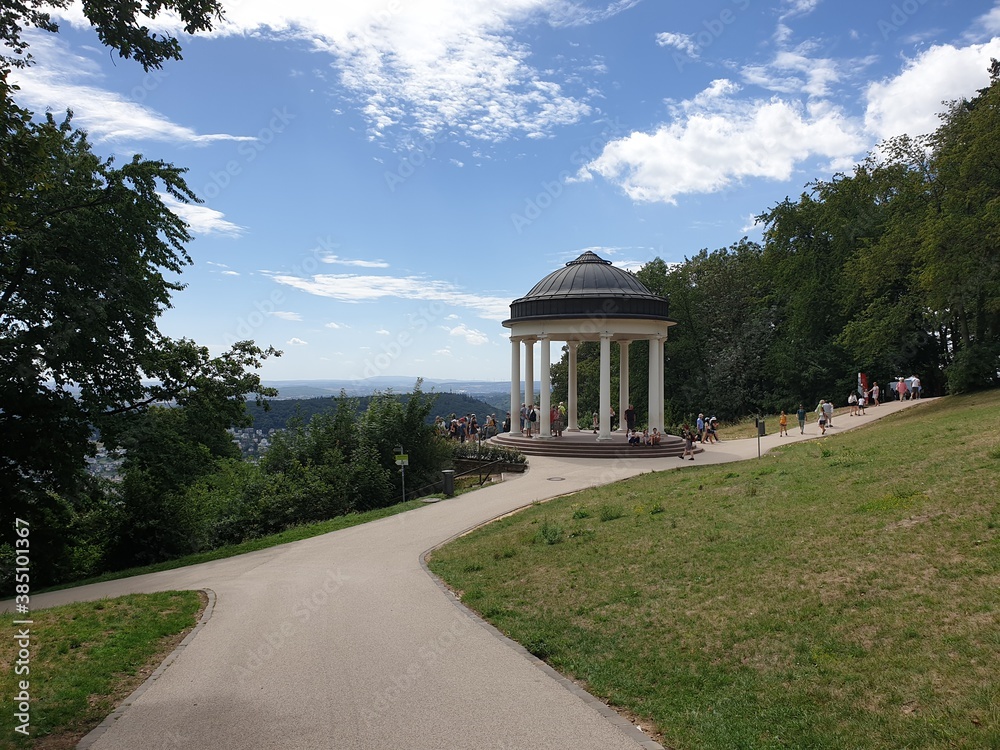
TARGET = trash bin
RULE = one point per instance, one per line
(760, 428)
(449, 482)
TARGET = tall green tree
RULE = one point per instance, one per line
(85, 249)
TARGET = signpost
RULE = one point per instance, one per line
(402, 461)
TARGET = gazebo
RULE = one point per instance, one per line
(587, 300)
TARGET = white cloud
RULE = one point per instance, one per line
(230, 273)
(284, 315)
(910, 102)
(296, 342)
(431, 65)
(795, 72)
(990, 21)
(358, 288)
(471, 335)
(201, 219)
(336, 326)
(334, 259)
(61, 80)
(798, 7)
(715, 141)
(684, 42)
(383, 332)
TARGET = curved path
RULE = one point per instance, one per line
(345, 642)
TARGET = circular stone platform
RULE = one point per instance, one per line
(586, 445)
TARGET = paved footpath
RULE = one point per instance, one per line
(346, 642)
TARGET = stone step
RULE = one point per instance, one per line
(586, 445)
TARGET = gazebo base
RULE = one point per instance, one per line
(585, 445)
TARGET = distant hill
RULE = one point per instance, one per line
(281, 410)
(398, 384)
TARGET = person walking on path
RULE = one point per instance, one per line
(828, 410)
(875, 393)
(701, 428)
(783, 425)
(688, 436)
(915, 386)
(801, 414)
(901, 389)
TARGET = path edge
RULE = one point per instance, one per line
(97, 732)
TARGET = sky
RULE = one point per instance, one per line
(381, 179)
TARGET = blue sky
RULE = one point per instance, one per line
(381, 181)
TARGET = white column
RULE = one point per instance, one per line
(545, 392)
(572, 407)
(529, 372)
(515, 381)
(605, 413)
(660, 396)
(622, 384)
(655, 406)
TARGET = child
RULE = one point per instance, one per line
(822, 423)
(688, 436)
(783, 425)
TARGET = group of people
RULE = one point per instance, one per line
(468, 427)
(644, 437)
(530, 420)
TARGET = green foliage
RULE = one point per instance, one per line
(485, 451)
(549, 533)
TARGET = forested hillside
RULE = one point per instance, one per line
(278, 412)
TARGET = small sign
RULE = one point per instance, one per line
(403, 459)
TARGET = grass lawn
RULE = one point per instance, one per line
(86, 658)
(839, 593)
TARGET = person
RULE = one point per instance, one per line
(688, 436)
(915, 386)
(654, 439)
(633, 437)
(506, 423)
(852, 401)
(532, 419)
(701, 428)
(822, 422)
(595, 422)
(463, 429)
(828, 410)
(611, 421)
(562, 417)
(783, 425)
(473, 428)
(554, 421)
(876, 393)
(901, 389)
(711, 427)
(630, 418)
(524, 416)
(862, 403)
(801, 414)
(453, 429)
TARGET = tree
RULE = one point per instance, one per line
(121, 26)
(84, 249)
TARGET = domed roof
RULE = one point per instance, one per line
(586, 287)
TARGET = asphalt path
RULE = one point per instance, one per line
(345, 641)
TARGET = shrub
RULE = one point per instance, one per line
(487, 452)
